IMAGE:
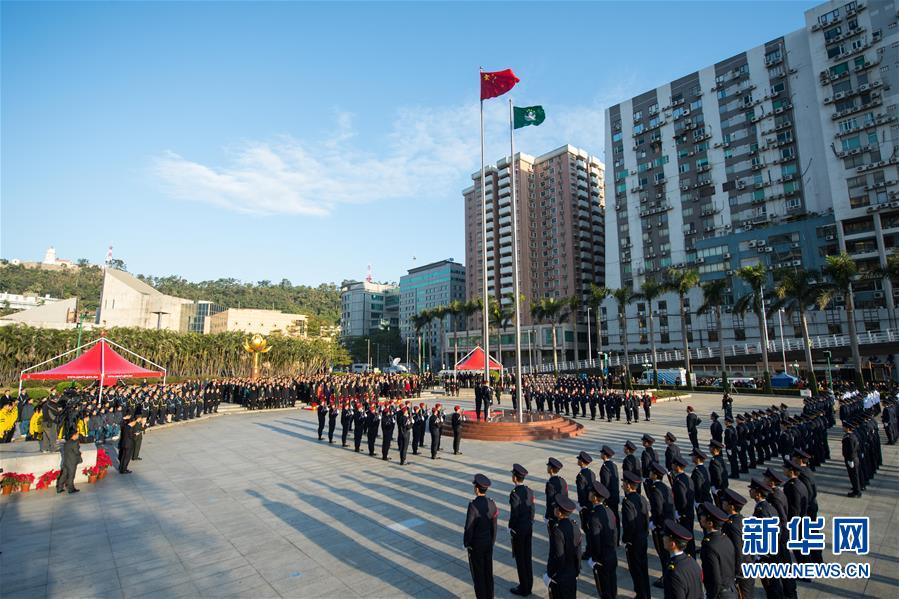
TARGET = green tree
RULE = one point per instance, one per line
(574, 304)
(841, 270)
(889, 272)
(757, 278)
(623, 297)
(553, 311)
(796, 292)
(714, 295)
(681, 281)
(597, 296)
(649, 292)
(419, 321)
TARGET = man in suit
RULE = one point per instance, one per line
(456, 420)
(71, 457)
(480, 536)
(522, 506)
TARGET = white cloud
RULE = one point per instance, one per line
(429, 153)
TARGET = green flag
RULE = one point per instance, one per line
(527, 115)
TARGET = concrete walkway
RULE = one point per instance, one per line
(253, 505)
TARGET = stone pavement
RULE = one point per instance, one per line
(253, 505)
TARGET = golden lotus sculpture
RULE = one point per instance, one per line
(257, 344)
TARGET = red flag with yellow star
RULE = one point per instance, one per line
(497, 83)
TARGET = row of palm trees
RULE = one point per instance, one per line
(794, 291)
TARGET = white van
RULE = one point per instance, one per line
(360, 368)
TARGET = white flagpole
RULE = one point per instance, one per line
(515, 282)
(486, 305)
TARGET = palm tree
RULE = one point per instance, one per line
(419, 321)
(553, 311)
(500, 316)
(649, 292)
(841, 270)
(714, 294)
(681, 281)
(756, 277)
(890, 273)
(440, 313)
(597, 296)
(797, 291)
(455, 309)
(624, 297)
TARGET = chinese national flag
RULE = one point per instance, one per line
(497, 83)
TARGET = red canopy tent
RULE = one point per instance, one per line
(100, 362)
(474, 360)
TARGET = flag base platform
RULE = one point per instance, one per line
(503, 425)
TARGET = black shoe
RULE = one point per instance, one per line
(659, 584)
(60, 490)
(126, 472)
(137, 459)
(74, 490)
(518, 591)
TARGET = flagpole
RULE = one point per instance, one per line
(486, 305)
(518, 386)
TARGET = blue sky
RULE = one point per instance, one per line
(301, 140)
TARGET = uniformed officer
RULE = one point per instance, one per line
(522, 506)
(608, 476)
(556, 487)
(850, 446)
(322, 412)
(564, 562)
(715, 428)
(388, 424)
(647, 459)
(634, 531)
(404, 433)
(684, 499)
(683, 576)
(717, 469)
(333, 413)
(359, 423)
(456, 420)
(602, 538)
(693, 422)
(584, 483)
(661, 507)
(372, 425)
(480, 536)
(719, 563)
(732, 443)
(731, 503)
(630, 463)
(435, 423)
(702, 481)
(760, 491)
(671, 450)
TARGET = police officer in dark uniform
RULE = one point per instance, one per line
(608, 476)
(731, 504)
(693, 422)
(403, 433)
(671, 450)
(522, 506)
(602, 538)
(480, 536)
(322, 412)
(630, 463)
(647, 459)
(584, 483)
(760, 491)
(718, 478)
(715, 428)
(456, 421)
(684, 499)
(556, 487)
(359, 422)
(700, 477)
(850, 447)
(634, 531)
(732, 443)
(683, 576)
(372, 424)
(661, 506)
(564, 562)
(719, 562)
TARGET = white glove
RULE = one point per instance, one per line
(591, 563)
(547, 580)
(851, 464)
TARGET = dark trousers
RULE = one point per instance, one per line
(435, 443)
(126, 452)
(331, 426)
(563, 589)
(138, 439)
(344, 433)
(521, 551)
(657, 535)
(385, 442)
(605, 576)
(402, 442)
(854, 476)
(694, 439)
(457, 439)
(746, 587)
(480, 562)
(638, 566)
(371, 443)
(415, 443)
(357, 439)
(734, 464)
(66, 478)
(49, 437)
(321, 427)
(477, 408)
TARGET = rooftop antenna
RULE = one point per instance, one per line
(368, 276)
(108, 260)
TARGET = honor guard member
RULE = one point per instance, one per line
(727, 404)
(435, 422)
(647, 405)
(702, 480)
(719, 563)
(797, 496)
(480, 536)
(346, 422)
(851, 446)
(388, 424)
(522, 506)
(333, 412)
(759, 491)
(564, 563)
(647, 459)
(634, 533)
(715, 428)
(373, 423)
(322, 412)
(684, 499)
(693, 422)
(457, 419)
(630, 463)
(683, 576)
(671, 450)
(742, 444)
(777, 497)
(359, 422)
(731, 504)
(419, 421)
(584, 482)
(404, 433)
(661, 506)
(556, 487)
(717, 469)
(601, 532)
(608, 476)
(732, 445)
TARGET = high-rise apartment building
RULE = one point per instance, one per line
(750, 161)
(366, 306)
(427, 287)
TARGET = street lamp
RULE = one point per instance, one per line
(829, 377)
(646, 366)
(783, 347)
(795, 366)
(589, 342)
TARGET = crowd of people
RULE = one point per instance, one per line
(574, 396)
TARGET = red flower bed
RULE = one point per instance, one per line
(47, 479)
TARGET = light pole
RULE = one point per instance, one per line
(829, 377)
(647, 366)
(795, 366)
(368, 353)
(783, 346)
(589, 343)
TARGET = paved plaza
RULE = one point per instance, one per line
(253, 505)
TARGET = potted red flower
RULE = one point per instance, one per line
(92, 472)
(46, 479)
(25, 481)
(103, 463)
(9, 482)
